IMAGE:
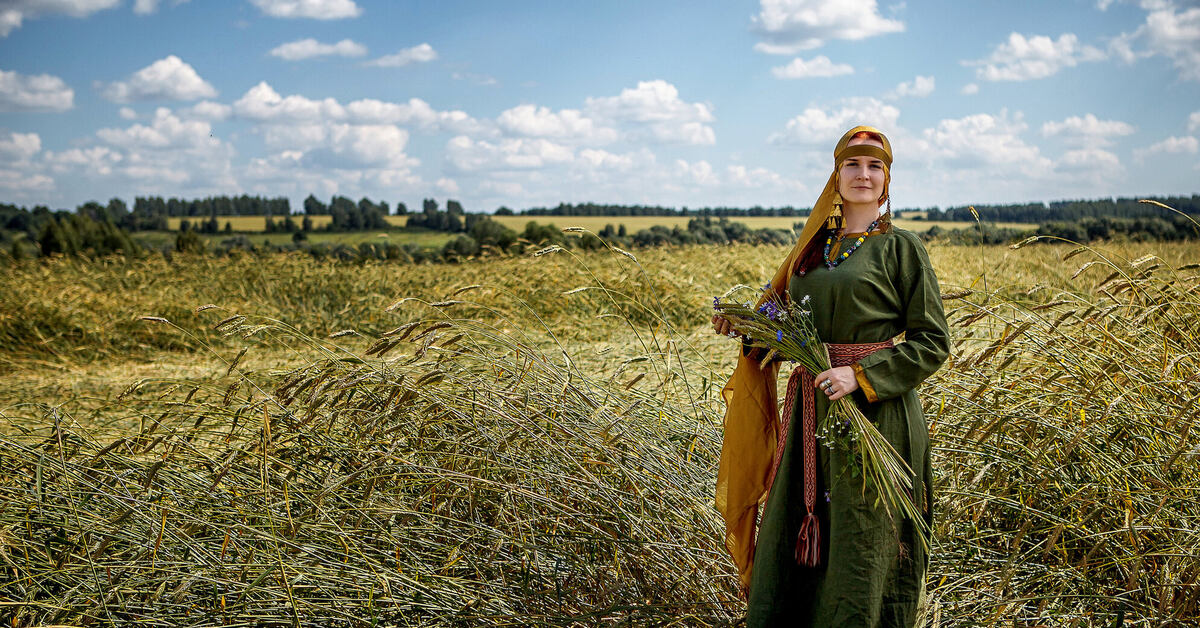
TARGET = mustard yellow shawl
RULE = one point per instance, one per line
(751, 416)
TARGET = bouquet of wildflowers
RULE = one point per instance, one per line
(786, 330)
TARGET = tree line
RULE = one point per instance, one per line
(603, 209)
(1074, 210)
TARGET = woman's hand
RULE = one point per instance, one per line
(721, 325)
(841, 382)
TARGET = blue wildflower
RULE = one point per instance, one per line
(826, 497)
(779, 335)
(716, 302)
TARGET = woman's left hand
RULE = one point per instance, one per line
(841, 382)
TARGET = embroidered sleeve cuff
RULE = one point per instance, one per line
(864, 383)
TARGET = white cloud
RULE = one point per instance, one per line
(533, 121)
(1176, 35)
(146, 7)
(415, 112)
(23, 183)
(1186, 144)
(40, 92)
(447, 186)
(970, 89)
(919, 87)
(602, 159)
(95, 161)
(14, 12)
(170, 155)
(983, 141)
(314, 9)
(207, 110)
(1087, 130)
(790, 26)
(19, 146)
(421, 53)
(309, 48)
(655, 106)
(263, 103)
(1104, 4)
(350, 146)
(127, 114)
(1024, 58)
(168, 78)
(1096, 161)
(468, 155)
(166, 131)
(819, 66)
(698, 173)
(820, 127)
(1194, 121)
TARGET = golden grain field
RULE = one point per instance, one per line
(533, 440)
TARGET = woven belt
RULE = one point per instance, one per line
(808, 541)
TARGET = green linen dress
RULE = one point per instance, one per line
(871, 573)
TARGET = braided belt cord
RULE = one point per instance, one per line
(809, 538)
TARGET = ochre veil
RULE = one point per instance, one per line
(751, 416)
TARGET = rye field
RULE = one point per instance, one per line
(533, 440)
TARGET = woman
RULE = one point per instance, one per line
(868, 283)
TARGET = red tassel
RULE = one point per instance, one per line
(808, 542)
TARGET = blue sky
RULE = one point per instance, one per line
(534, 103)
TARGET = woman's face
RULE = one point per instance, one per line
(860, 179)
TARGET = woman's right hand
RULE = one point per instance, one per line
(721, 325)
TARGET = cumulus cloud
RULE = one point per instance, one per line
(91, 161)
(568, 124)
(314, 9)
(1168, 31)
(207, 110)
(790, 26)
(167, 155)
(970, 89)
(819, 66)
(919, 87)
(1096, 161)
(655, 107)
(1024, 58)
(165, 131)
(146, 7)
(821, 127)
(40, 92)
(166, 79)
(468, 155)
(14, 12)
(421, 53)
(127, 114)
(263, 104)
(19, 146)
(982, 138)
(1194, 121)
(1087, 130)
(1185, 144)
(309, 48)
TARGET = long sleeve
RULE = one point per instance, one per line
(892, 372)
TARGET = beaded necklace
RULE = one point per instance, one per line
(841, 257)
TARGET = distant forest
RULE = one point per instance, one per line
(96, 230)
(1075, 210)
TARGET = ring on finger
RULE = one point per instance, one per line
(826, 385)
